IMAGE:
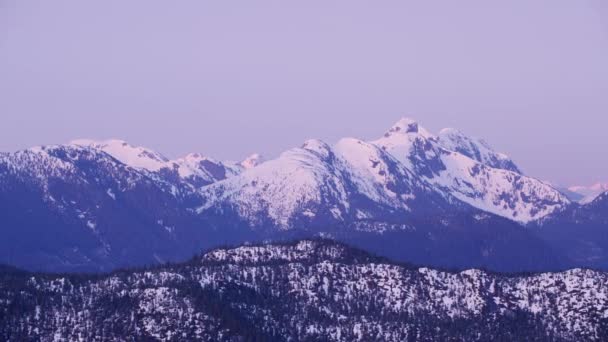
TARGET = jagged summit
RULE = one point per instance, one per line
(471, 170)
(407, 133)
(404, 125)
(390, 172)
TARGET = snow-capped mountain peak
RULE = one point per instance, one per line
(403, 138)
(389, 173)
(352, 179)
(318, 147)
(407, 182)
(134, 156)
(406, 126)
(197, 165)
(252, 161)
(470, 170)
(299, 179)
(194, 168)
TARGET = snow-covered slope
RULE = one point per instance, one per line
(297, 180)
(303, 291)
(410, 189)
(317, 182)
(78, 208)
(199, 170)
(43, 165)
(75, 207)
(477, 149)
(476, 181)
(134, 156)
(193, 169)
(353, 178)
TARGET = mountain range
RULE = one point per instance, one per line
(586, 194)
(445, 200)
(308, 290)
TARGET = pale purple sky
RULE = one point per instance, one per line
(227, 78)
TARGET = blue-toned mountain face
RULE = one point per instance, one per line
(76, 208)
(445, 201)
(580, 232)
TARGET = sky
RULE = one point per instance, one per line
(229, 78)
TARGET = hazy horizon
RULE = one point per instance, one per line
(227, 81)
